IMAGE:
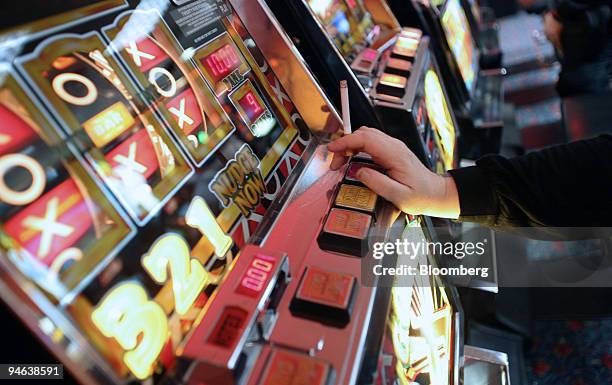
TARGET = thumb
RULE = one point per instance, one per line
(384, 186)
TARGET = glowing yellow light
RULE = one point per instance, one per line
(459, 38)
(440, 118)
(200, 217)
(109, 124)
(171, 252)
(407, 43)
(393, 80)
(126, 314)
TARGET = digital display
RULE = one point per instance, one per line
(254, 280)
(250, 104)
(222, 62)
(460, 40)
(341, 23)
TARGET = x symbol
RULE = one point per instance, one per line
(280, 95)
(137, 54)
(48, 227)
(130, 160)
(181, 115)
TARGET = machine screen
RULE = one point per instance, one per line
(460, 40)
(347, 23)
(440, 118)
(173, 138)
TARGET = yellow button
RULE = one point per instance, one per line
(109, 124)
(356, 197)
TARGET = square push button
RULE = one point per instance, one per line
(357, 197)
(325, 296)
(345, 231)
(291, 368)
(392, 85)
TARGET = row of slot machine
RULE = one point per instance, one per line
(167, 210)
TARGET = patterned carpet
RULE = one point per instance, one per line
(571, 353)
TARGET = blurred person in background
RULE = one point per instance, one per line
(580, 31)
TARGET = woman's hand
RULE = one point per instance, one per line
(409, 185)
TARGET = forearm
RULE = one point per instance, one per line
(567, 185)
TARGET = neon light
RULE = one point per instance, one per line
(138, 324)
(171, 252)
(59, 83)
(201, 217)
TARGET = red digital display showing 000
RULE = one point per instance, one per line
(254, 280)
(222, 62)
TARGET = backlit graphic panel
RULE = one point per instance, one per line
(96, 104)
(59, 224)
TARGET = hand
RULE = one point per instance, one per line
(552, 30)
(409, 185)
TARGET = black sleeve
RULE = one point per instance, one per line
(562, 186)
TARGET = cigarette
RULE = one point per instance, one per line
(346, 113)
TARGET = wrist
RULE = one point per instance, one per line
(445, 202)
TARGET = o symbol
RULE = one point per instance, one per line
(20, 198)
(59, 83)
(158, 72)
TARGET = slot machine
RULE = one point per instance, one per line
(395, 81)
(469, 68)
(168, 215)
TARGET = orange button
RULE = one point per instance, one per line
(357, 197)
(348, 223)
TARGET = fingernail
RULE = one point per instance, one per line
(362, 173)
(349, 153)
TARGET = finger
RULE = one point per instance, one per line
(373, 142)
(384, 186)
(338, 161)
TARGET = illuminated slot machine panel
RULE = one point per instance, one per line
(138, 159)
(458, 34)
(55, 216)
(125, 142)
(167, 203)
